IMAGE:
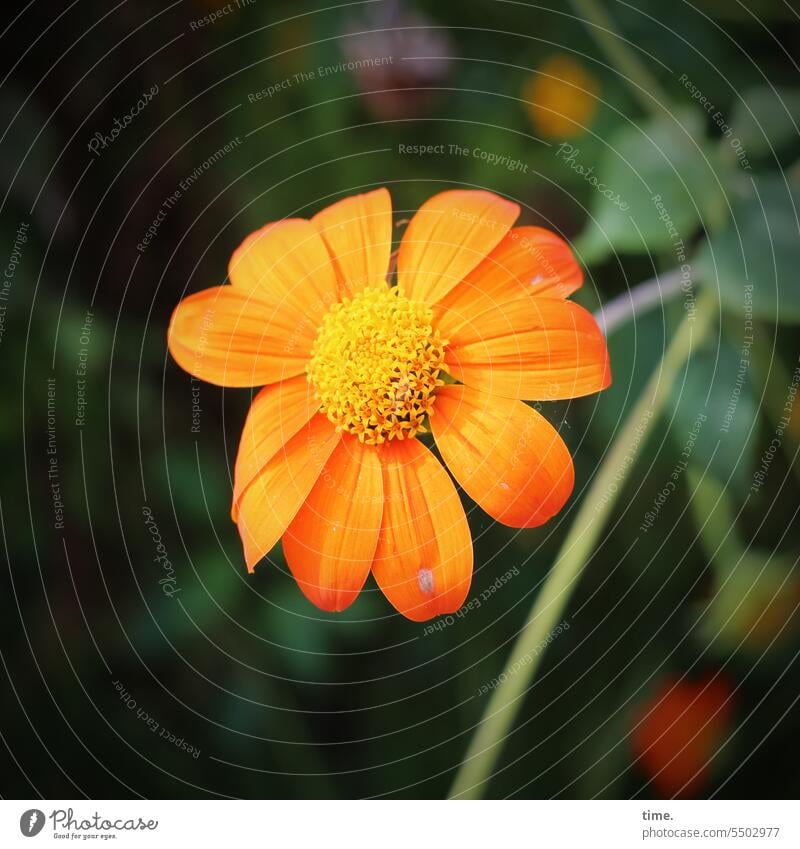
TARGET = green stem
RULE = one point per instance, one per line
(638, 300)
(642, 83)
(548, 609)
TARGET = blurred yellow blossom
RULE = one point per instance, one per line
(561, 97)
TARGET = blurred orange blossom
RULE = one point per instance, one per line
(679, 732)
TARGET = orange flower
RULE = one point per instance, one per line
(680, 730)
(562, 98)
(328, 460)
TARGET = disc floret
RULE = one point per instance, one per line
(375, 365)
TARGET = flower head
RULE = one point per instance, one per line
(375, 365)
(679, 732)
(356, 369)
(562, 98)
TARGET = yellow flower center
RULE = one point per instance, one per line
(375, 365)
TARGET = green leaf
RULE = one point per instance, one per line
(754, 594)
(201, 587)
(654, 187)
(765, 118)
(715, 516)
(717, 387)
(754, 262)
(754, 603)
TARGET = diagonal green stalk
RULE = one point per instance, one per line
(644, 86)
(548, 609)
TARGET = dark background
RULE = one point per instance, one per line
(280, 698)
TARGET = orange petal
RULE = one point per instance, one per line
(423, 562)
(449, 235)
(233, 338)
(534, 348)
(330, 543)
(272, 500)
(358, 233)
(529, 260)
(287, 262)
(276, 415)
(507, 457)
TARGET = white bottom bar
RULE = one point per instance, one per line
(402, 824)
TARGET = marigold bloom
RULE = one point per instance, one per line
(562, 98)
(354, 369)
